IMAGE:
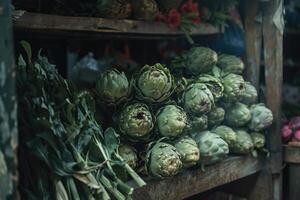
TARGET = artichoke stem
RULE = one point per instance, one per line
(140, 182)
(107, 184)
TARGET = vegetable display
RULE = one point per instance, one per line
(195, 111)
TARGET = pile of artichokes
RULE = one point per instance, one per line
(193, 112)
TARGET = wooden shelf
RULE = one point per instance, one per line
(291, 154)
(196, 181)
(76, 26)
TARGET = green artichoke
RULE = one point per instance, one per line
(188, 150)
(135, 121)
(237, 115)
(197, 124)
(234, 86)
(243, 144)
(216, 72)
(249, 96)
(197, 99)
(214, 85)
(180, 85)
(113, 86)
(262, 117)
(258, 140)
(171, 121)
(226, 133)
(154, 83)
(212, 147)
(197, 60)
(163, 160)
(145, 9)
(231, 64)
(128, 153)
(216, 116)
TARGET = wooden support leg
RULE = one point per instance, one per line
(294, 181)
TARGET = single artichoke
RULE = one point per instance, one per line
(171, 121)
(196, 124)
(216, 116)
(188, 150)
(197, 99)
(163, 160)
(128, 153)
(115, 9)
(226, 133)
(212, 147)
(145, 9)
(262, 117)
(249, 96)
(243, 144)
(231, 64)
(197, 60)
(258, 140)
(237, 115)
(135, 121)
(234, 86)
(180, 85)
(214, 85)
(113, 86)
(154, 83)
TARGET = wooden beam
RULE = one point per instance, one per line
(8, 107)
(253, 36)
(196, 181)
(69, 25)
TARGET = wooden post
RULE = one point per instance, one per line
(272, 41)
(8, 107)
(253, 37)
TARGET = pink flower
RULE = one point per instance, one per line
(297, 136)
(161, 18)
(294, 123)
(286, 132)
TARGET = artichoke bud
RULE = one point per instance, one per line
(243, 144)
(237, 115)
(214, 85)
(262, 117)
(154, 83)
(249, 96)
(163, 160)
(171, 121)
(145, 9)
(113, 86)
(196, 124)
(216, 116)
(188, 150)
(234, 86)
(231, 64)
(258, 140)
(212, 147)
(135, 121)
(128, 153)
(226, 133)
(197, 99)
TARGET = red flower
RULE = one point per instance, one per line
(189, 6)
(160, 17)
(174, 18)
(197, 20)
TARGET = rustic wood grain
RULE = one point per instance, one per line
(58, 24)
(8, 108)
(197, 181)
(272, 40)
(253, 37)
(291, 154)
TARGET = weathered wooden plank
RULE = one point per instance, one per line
(294, 181)
(253, 37)
(273, 37)
(291, 154)
(197, 181)
(55, 23)
(8, 107)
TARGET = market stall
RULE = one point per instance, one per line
(156, 93)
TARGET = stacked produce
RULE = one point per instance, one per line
(159, 121)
